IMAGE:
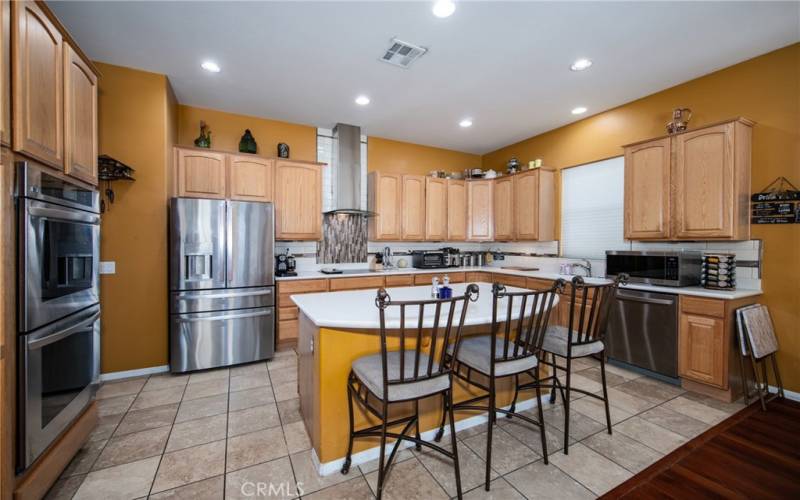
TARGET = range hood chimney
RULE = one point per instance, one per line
(346, 171)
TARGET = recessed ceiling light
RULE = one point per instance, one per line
(579, 110)
(362, 100)
(210, 66)
(444, 8)
(580, 65)
(466, 122)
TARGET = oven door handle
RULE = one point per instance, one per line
(66, 332)
(60, 213)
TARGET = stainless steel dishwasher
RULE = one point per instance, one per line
(643, 331)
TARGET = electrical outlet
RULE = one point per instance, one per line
(108, 267)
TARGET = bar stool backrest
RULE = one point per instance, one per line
(437, 336)
(521, 336)
(590, 305)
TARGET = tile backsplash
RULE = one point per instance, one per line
(344, 239)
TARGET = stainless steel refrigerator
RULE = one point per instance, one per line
(222, 284)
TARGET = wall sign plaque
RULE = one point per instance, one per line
(778, 203)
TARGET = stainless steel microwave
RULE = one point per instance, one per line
(667, 268)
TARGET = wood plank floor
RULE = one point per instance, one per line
(753, 454)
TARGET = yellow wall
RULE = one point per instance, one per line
(387, 155)
(765, 89)
(135, 124)
(227, 130)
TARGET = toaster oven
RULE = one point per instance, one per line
(428, 259)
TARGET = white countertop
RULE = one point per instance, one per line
(687, 290)
(356, 309)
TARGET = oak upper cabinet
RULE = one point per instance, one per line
(298, 200)
(385, 200)
(456, 210)
(694, 185)
(38, 62)
(534, 205)
(5, 72)
(504, 209)
(647, 190)
(435, 209)
(413, 207)
(250, 178)
(480, 209)
(200, 173)
(80, 118)
(712, 182)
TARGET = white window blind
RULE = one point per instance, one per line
(592, 209)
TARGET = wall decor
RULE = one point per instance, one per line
(110, 170)
(778, 203)
(248, 143)
(283, 150)
(680, 120)
(204, 140)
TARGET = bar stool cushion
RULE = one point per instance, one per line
(369, 369)
(475, 353)
(555, 341)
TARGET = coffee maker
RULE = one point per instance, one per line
(285, 265)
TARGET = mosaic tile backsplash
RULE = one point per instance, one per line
(344, 239)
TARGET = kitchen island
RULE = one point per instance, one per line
(336, 328)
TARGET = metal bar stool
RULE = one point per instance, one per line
(415, 371)
(519, 322)
(583, 336)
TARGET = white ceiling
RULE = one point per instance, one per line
(505, 65)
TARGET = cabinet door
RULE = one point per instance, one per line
(201, 174)
(5, 72)
(298, 201)
(384, 198)
(456, 210)
(526, 205)
(480, 206)
(413, 207)
(80, 118)
(647, 186)
(38, 89)
(504, 209)
(704, 183)
(701, 349)
(250, 178)
(435, 209)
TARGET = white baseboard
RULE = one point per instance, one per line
(335, 466)
(105, 377)
(794, 396)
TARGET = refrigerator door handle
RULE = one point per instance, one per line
(221, 317)
(228, 243)
(226, 294)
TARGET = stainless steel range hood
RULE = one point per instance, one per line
(346, 171)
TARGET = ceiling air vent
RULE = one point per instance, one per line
(402, 53)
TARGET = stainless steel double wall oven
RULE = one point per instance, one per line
(59, 305)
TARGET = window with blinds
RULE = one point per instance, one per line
(592, 198)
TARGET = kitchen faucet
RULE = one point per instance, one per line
(586, 267)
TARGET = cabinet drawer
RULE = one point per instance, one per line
(303, 286)
(457, 277)
(506, 279)
(286, 313)
(426, 278)
(538, 284)
(479, 277)
(356, 283)
(705, 307)
(288, 330)
(404, 280)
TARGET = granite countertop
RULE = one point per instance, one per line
(686, 290)
(355, 309)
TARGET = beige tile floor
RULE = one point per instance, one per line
(216, 434)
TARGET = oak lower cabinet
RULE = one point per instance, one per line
(478, 277)
(200, 173)
(38, 92)
(356, 283)
(534, 205)
(480, 210)
(399, 280)
(694, 185)
(5, 73)
(456, 210)
(413, 207)
(385, 200)
(298, 201)
(288, 325)
(504, 209)
(435, 209)
(250, 178)
(80, 118)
